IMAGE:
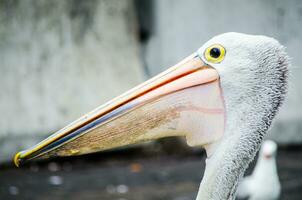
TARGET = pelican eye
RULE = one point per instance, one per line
(215, 53)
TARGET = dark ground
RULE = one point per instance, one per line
(129, 175)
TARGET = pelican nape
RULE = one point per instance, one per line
(222, 98)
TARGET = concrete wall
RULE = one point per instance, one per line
(180, 27)
(59, 60)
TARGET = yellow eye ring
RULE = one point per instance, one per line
(215, 53)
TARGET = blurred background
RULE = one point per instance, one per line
(60, 59)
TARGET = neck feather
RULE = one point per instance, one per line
(225, 167)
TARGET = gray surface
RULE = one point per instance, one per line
(181, 27)
(59, 60)
(105, 176)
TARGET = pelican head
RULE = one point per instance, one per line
(222, 98)
(268, 150)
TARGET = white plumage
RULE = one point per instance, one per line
(253, 78)
(264, 183)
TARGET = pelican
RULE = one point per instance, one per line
(265, 172)
(223, 98)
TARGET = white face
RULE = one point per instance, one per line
(251, 75)
(243, 57)
(268, 149)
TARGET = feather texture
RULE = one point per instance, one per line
(253, 79)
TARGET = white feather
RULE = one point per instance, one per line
(264, 182)
(253, 78)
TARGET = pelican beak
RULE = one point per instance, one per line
(184, 100)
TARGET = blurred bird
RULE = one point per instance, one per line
(265, 171)
(223, 98)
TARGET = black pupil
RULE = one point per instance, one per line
(215, 52)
